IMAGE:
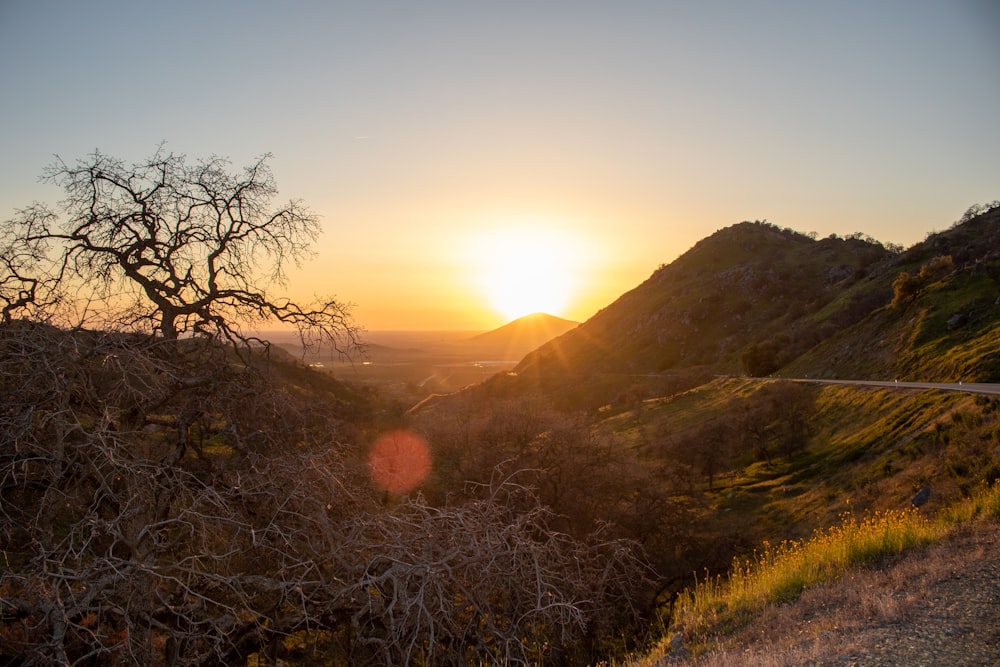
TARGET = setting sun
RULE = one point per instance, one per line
(524, 270)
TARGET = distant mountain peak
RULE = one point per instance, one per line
(520, 336)
(541, 321)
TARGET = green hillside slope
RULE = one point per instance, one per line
(758, 299)
(746, 284)
(945, 328)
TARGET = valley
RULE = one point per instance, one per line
(411, 365)
(646, 418)
(763, 389)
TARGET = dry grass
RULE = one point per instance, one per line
(781, 573)
(746, 619)
(833, 620)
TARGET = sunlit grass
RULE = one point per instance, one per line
(982, 505)
(779, 573)
(718, 605)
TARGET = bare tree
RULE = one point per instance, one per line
(116, 554)
(23, 289)
(171, 247)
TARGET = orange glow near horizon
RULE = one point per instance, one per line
(461, 271)
(457, 155)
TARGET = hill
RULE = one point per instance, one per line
(942, 324)
(758, 299)
(642, 416)
(515, 339)
(746, 284)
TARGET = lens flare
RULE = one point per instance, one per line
(399, 461)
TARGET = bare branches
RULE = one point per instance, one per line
(117, 550)
(484, 581)
(151, 514)
(165, 501)
(169, 247)
(24, 288)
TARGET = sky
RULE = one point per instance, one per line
(474, 161)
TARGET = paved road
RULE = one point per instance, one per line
(967, 387)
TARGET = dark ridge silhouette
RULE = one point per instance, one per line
(757, 299)
(522, 335)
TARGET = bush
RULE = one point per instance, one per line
(163, 504)
(907, 287)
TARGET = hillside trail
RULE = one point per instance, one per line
(936, 606)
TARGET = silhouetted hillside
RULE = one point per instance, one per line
(747, 284)
(753, 298)
(517, 338)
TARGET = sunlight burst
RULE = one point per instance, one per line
(525, 270)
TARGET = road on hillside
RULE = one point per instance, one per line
(967, 387)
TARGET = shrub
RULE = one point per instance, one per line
(904, 289)
(907, 287)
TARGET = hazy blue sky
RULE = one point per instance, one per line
(436, 138)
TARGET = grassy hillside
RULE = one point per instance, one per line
(868, 588)
(947, 332)
(749, 283)
(867, 452)
(863, 449)
(706, 474)
(762, 300)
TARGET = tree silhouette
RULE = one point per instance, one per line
(167, 246)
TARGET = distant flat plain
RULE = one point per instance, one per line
(410, 364)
